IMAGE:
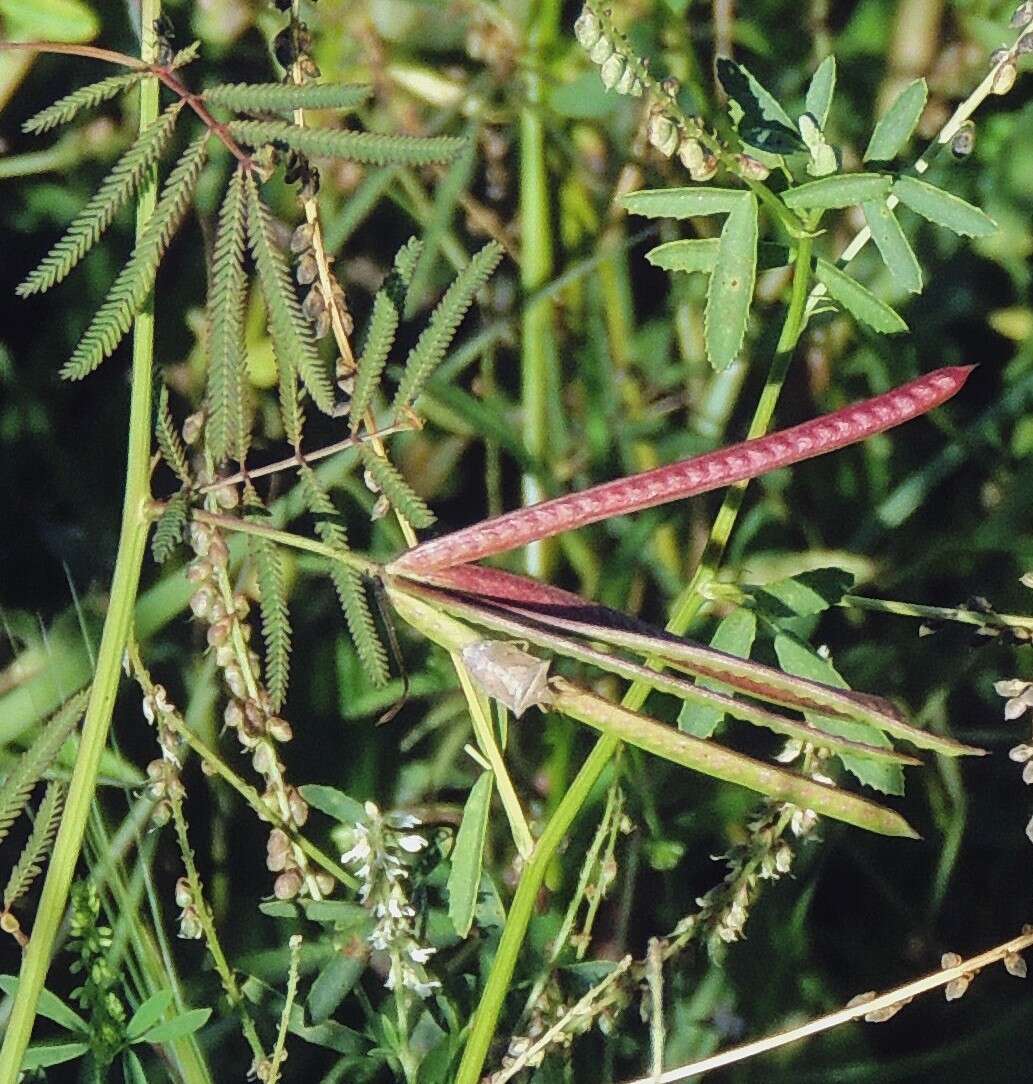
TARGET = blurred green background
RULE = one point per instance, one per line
(938, 513)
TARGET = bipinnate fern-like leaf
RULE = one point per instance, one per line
(28, 769)
(66, 108)
(284, 97)
(293, 344)
(396, 488)
(380, 337)
(171, 525)
(347, 582)
(430, 348)
(37, 847)
(135, 280)
(276, 625)
(371, 148)
(225, 430)
(170, 443)
(187, 55)
(118, 187)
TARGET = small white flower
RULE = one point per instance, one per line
(421, 954)
(371, 810)
(412, 843)
(358, 853)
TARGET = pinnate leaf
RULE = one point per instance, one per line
(820, 91)
(680, 202)
(893, 246)
(468, 853)
(843, 190)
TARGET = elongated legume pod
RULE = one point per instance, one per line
(688, 477)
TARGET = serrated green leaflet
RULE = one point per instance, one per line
(796, 657)
(896, 125)
(859, 301)
(734, 636)
(942, 208)
(820, 90)
(842, 191)
(680, 202)
(731, 283)
(467, 855)
(893, 246)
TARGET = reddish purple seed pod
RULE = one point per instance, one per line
(689, 477)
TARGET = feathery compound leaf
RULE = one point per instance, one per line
(187, 55)
(893, 246)
(225, 429)
(291, 334)
(383, 323)
(844, 190)
(369, 147)
(119, 185)
(731, 284)
(38, 845)
(352, 596)
(135, 280)
(169, 441)
(347, 582)
(858, 300)
(65, 109)
(444, 322)
(276, 625)
(274, 97)
(29, 768)
(943, 208)
(397, 489)
(168, 532)
(897, 123)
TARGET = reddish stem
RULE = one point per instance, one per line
(688, 477)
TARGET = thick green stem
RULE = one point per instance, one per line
(684, 609)
(124, 585)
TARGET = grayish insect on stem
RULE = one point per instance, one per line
(511, 675)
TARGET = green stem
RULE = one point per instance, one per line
(124, 586)
(482, 1027)
(538, 343)
(960, 614)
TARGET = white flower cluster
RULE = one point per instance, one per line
(377, 857)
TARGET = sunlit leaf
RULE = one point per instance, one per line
(859, 301)
(897, 123)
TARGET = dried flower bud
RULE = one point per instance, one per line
(626, 83)
(948, 960)
(325, 883)
(956, 987)
(964, 141)
(200, 538)
(298, 807)
(321, 325)
(190, 928)
(301, 238)
(184, 894)
(1022, 15)
(380, 508)
(287, 885)
(234, 677)
(708, 170)
(279, 729)
(752, 167)
(1015, 965)
(612, 70)
(601, 51)
(227, 497)
(587, 29)
(880, 1016)
(663, 134)
(219, 632)
(307, 270)
(690, 154)
(218, 552)
(1004, 80)
(161, 814)
(1023, 47)
(202, 601)
(998, 55)
(263, 759)
(199, 570)
(314, 304)
(193, 424)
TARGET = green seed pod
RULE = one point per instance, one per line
(663, 134)
(601, 51)
(587, 29)
(1004, 80)
(613, 71)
